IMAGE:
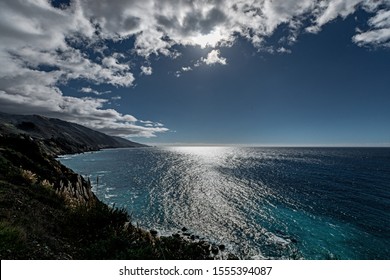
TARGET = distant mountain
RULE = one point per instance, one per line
(58, 136)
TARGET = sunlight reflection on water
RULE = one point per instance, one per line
(260, 203)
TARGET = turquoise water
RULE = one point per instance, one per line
(282, 203)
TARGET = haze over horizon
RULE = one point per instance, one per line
(268, 73)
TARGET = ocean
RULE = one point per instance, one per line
(261, 203)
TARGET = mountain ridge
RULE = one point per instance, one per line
(59, 136)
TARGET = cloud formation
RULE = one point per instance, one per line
(90, 90)
(146, 70)
(43, 47)
(214, 57)
(379, 34)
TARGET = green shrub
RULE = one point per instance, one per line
(12, 238)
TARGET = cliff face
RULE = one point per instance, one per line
(30, 142)
(45, 207)
(25, 159)
(37, 198)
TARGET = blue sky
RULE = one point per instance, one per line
(203, 72)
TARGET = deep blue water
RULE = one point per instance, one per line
(311, 203)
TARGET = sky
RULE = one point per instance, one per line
(266, 72)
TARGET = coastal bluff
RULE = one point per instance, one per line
(31, 143)
(47, 211)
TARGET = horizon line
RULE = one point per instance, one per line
(370, 145)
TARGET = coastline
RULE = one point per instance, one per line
(50, 212)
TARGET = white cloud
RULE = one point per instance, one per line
(146, 70)
(186, 69)
(87, 90)
(90, 90)
(35, 35)
(160, 25)
(379, 33)
(214, 57)
(178, 73)
(331, 9)
(43, 47)
(283, 50)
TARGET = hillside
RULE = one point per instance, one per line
(60, 137)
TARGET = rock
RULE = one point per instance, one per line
(176, 235)
(214, 250)
(126, 226)
(205, 246)
(192, 237)
(186, 233)
(232, 257)
(153, 232)
(221, 247)
(184, 229)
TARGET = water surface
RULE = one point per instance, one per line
(312, 203)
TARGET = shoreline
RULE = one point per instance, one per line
(50, 212)
(183, 234)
